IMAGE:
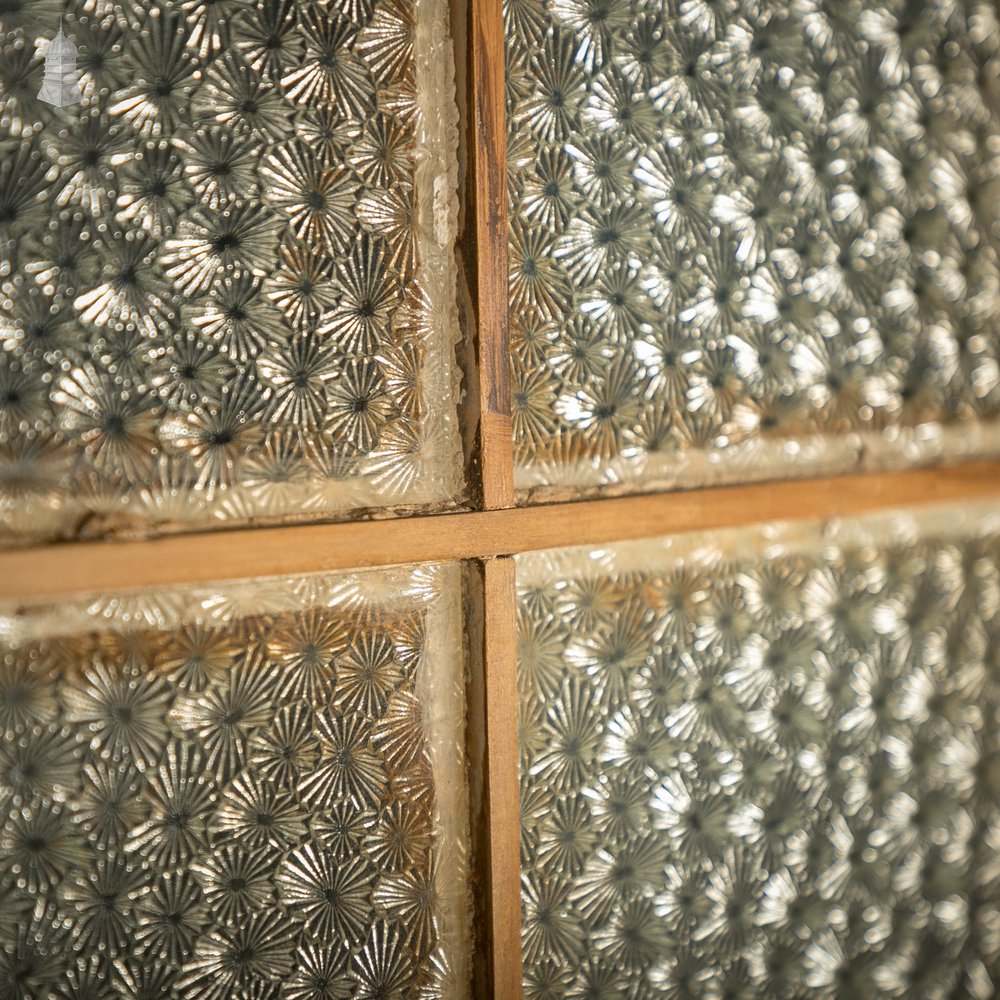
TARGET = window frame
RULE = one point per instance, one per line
(488, 534)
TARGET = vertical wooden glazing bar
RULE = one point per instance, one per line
(488, 189)
(494, 787)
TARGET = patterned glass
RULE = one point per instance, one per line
(751, 237)
(248, 791)
(764, 763)
(227, 287)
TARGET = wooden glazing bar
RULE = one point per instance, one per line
(494, 785)
(73, 567)
(488, 163)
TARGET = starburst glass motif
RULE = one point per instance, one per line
(190, 811)
(778, 778)
(750, 238)
(214, 261)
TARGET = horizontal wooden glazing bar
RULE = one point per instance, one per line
(48, 571)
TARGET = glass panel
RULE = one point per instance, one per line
(751, 239)
(241, 791)
(764, 763)
(227, 286)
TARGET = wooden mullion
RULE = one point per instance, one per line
(487, 194)
(496, 826)
(494, 786)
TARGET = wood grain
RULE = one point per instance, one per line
(50, 571)
(494, 786)
(488, 168)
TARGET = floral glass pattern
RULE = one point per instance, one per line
(751, 238)
(227, 287)
(243, 791)
(764, 763)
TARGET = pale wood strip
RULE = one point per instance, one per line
(73, 567)
(493, 754)
(489, 164)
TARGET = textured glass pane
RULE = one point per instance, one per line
(764, 763)
(226, 271)
(242, 791)
(750, 238)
